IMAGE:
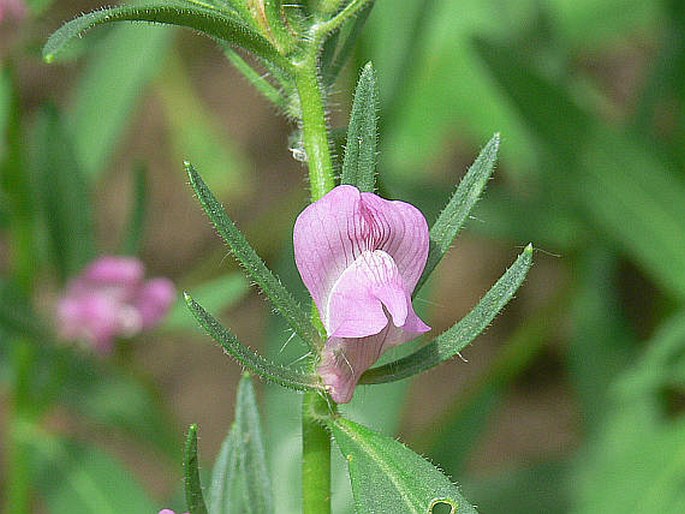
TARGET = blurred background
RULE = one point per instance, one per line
(571, 402)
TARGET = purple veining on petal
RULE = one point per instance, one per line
(360, 257)
(110, 299)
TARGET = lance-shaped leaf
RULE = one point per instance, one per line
(220, 25)
(252, 361)
(452, 341)
(387, 477)
(225, 491)
(454, 215)
(359, 166)
(195, 500)
(241, 466)
(282, 299)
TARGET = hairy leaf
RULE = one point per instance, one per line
(387, 477)
(446, 228)
(193, 487)
(455, 339)
(359, 166)
(254, 266)
(252, 361)
(184, 14)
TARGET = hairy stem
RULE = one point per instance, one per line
(316, 441)
(314, 127)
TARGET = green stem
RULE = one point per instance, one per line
(316, 456)
(316, 441)
(314, 127)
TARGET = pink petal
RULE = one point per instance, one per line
(332, 233)
(359, 299)
(115, 271)
(154, 300)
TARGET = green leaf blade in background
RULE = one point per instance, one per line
(455, 339)
(252, 361)
(612, 180)
(73, 478)
(195, 500)
(65, 197)
(110, 89)
(387, 477)
(216, 295)
(184, 14)
(254, 266)
(455, 214)
(359, 166)
(197, 131)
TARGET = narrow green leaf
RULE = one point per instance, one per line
(136, 223)
(254, 266)
(224, 493)
(459, 336)
(108, 92)
(359, 166)
(253, 466)
(195, 500)
(240, 476)
(258, 80)
(445, 229)
(65, 198)
(252, 361)
(387, 477)
(184, 14)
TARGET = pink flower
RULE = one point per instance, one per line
(111, 299)
(168, 511)
(12, 9)
(360, 257)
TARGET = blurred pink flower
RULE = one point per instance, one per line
(360, 257)
(111, 299)
(12, 9)
(168, 511)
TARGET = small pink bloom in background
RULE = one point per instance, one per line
(360, 257)
(168, 511)
(12, 10)
(111, 299)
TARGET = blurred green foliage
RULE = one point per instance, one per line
(592, 167)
